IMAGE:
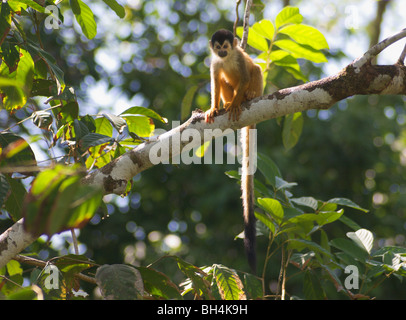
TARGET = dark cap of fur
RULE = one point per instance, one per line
(222, 35)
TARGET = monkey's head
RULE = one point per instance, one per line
(222, 42)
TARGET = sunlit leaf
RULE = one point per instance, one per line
(15, 151)
(301, 51)
(84, 16)
(228, 283)
(306, 35)
(255, 40)
(140, 125)
(117, 8)
(363, 238)
(145, 112)
(288, 15)
(273, 207)
(265, 28)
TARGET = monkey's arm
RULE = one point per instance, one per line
(215, 94)
(242, 79)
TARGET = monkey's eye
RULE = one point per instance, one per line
(225, 46)
(218, 47)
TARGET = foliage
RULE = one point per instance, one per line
(298, 231)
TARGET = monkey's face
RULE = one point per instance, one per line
(221, 49)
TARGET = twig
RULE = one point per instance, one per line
(402, 57)
(244, 39)
(42, 264)
(237, 17)
(378, 48)
(75, 241)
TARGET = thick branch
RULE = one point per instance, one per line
(358, 78)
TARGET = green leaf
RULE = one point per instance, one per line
(15, 199)
(4, 188)
(119, 282)
(264, 28)
(27, 293)
(117, 121)
(55, 71)
(228, 283)
(140, 125)
(288, 15)
(389, 249)
(32, 4)
(158, 284)
(300, 244)
(268, 168)
(326, 217)
(300, 260)
(200, 285)
(350, 248)
(84, 16)
(252, 286)
(255, 40)
(58, 201)
(347, 203)
(363, 238)
(15, 151)
(13, 268)
(103, 126)
(145, 112)
(307, 202)
(16, 92)
(117, 8)
(301, 51)
(292, 129)
(11, 55)
(94, 139)
(350, 223)
(273, 207)
(80, 129)
(187, 100)
(42, 119)
(70, 265)
(307, 35)
(5, 21)
(266, 220)
(312, 287)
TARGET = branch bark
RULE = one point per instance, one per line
(358, 78)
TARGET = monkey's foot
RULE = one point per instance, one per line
(233, 112)
(250, 94)
(210, 114)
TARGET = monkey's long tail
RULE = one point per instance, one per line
(247, 188)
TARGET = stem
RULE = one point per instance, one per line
(41, 264)
(268, 256)
(75, 241)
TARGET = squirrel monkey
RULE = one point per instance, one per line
(235, 78)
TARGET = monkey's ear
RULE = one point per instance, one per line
(210, 44)
(235, 42)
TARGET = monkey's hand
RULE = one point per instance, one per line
(209, 115)
(233, 110)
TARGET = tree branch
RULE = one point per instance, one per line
(358, 78)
